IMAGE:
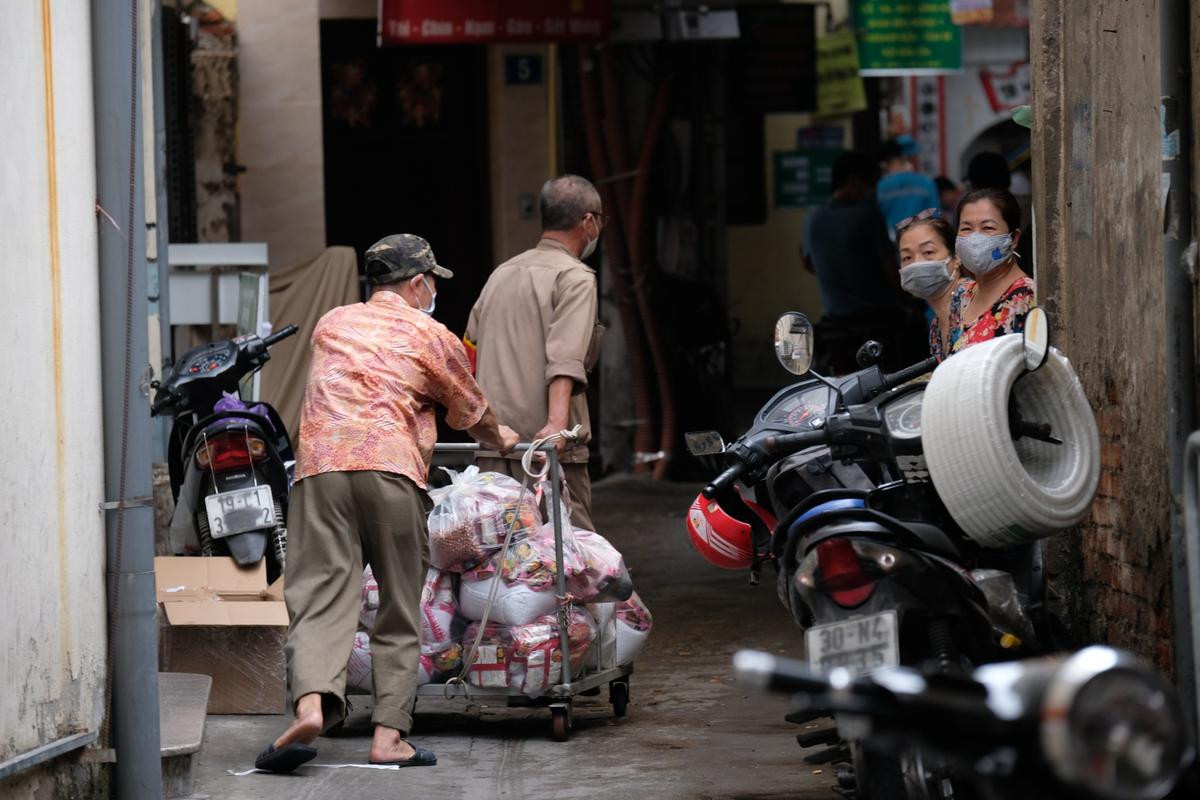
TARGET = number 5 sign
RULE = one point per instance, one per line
(523, 70)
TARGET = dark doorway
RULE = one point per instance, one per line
(406, 151)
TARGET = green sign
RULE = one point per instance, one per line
(907, 37)
(839, 86)
(804, 178)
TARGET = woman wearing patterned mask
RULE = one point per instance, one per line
(929, 270)
(996, 302)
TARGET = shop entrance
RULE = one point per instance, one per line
(406, 151)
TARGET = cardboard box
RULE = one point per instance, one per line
(222, 620)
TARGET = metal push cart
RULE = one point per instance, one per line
(559, 697)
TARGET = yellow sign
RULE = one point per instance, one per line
(839, 86)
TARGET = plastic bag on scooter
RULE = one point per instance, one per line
(1006, 608)
(472, 516)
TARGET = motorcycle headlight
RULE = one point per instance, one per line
(1114, 727)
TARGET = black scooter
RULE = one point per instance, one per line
(230, 464)
(870, 562)
(1093, 724)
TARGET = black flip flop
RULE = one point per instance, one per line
(285, 759)
(420, 758)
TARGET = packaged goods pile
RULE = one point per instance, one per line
(475, 578)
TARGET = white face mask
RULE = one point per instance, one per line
(590, 247)
(432, 295)
(982, 253)
(926, 279)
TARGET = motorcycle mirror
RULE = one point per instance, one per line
(1036, 339)
(794, 342)
(704, 443)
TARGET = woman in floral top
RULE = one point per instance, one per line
(997, 301)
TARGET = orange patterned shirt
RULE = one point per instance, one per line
(377, 370)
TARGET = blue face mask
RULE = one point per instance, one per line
(982, 253)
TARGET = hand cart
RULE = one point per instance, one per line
(559, 697)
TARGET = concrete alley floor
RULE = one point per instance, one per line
(690, 733)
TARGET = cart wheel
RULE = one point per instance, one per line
(618, 695)
(560, 722)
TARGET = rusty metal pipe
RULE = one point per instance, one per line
(616, 251)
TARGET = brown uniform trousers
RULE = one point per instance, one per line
(338, 520)
(579, 486)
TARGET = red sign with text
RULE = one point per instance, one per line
(488, 21)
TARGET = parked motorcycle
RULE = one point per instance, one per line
(230, 464)
(1093, 724)
(869, 560)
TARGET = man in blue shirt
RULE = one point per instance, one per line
(903, 193)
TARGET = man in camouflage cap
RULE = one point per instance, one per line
(367, 431)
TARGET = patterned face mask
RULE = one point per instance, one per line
(981, 253)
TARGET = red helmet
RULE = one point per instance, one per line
(721, 539)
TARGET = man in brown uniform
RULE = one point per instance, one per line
(367, 431)
(534, 329)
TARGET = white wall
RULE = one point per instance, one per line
(52, 629)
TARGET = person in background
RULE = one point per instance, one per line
(929, 270)
(367, 431)
(988, 170)
(847, 247)
(903, 192)
(996, 302)
(535, 335)
(949, 193)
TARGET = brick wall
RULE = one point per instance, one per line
(1099, 271)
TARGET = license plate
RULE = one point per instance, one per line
(859, 645)
(239, 511)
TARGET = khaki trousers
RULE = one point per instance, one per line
(579, 486)
(338, 520)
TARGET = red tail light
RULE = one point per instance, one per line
(842, 576)
(230, 451)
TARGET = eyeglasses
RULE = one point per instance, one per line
(600, 217)
(929, 213)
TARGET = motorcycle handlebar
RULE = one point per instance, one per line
(281, 334)
(161, 403)
(723, 481)
(758, 670)
(908, 373)
(772, 445)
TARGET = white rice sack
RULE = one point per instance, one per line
(358, 668)
(514, 605)
(630, 642)
(602, 654)
(633, 621)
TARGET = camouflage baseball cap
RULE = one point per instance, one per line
(400, 256)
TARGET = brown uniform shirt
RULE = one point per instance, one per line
(534, 322)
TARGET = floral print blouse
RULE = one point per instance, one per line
(1007, 315)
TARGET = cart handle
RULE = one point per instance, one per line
(473, 447)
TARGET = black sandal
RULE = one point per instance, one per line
(285, 759)
(420, 758)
